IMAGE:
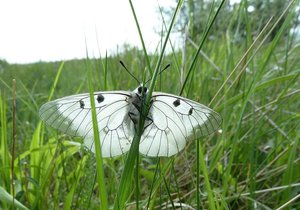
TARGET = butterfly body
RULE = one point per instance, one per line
(138, 100)
(170, 122)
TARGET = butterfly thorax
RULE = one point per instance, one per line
(138, 100)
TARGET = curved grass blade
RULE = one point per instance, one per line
(99, 160)
(200, 47)
(134, 149)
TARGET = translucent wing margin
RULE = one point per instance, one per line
(72, 115)
(175, 120)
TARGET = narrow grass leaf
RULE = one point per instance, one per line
(99, 160)
(56, 80)
(7, 198)
(193, 64)
(134, 149)
(142, 40)
(4, 151)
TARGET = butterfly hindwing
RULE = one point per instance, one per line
(175, 120)
(72, 115)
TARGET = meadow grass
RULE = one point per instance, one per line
(251, 163)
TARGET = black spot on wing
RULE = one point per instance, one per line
(191, 111)
(176, 102)
(100, 98)
(81, 104)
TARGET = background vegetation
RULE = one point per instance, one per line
(247, 70)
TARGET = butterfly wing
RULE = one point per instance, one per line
(72, 115)
(175, 120)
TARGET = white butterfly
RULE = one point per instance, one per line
(171, 120)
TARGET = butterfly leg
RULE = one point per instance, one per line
(149, 121)
(134, 117)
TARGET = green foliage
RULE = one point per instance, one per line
(195, 14)
(252, 162)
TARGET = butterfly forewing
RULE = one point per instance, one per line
(72, 115)
(175, 120)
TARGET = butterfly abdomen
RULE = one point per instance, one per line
(134, 111)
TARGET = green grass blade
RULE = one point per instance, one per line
(79, 174)
(56, 80)
(127, 174)
(7, 198)
(134, 149)
(142, 40)
(290, 174)
(37, 141)
(193, 64)
(166, 185)
(99, 160)
(158, 64)
(4, 149)
(202, 166)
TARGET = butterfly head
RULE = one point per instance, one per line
(140, 89)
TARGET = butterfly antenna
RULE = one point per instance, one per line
(166, 67)
(121, 62)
